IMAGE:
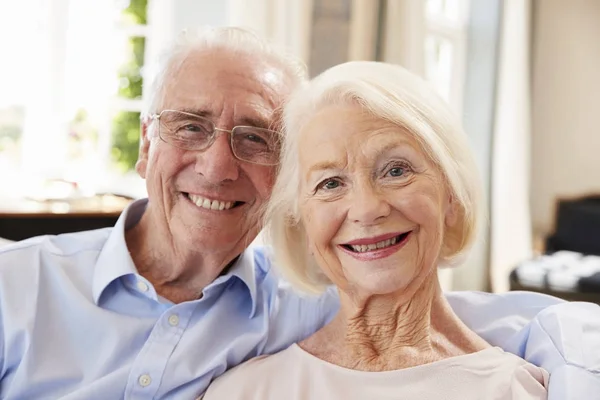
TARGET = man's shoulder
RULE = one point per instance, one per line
(64, 244)
(269, 280)
(509, 301)
(262, 258)
(498, 313)
(293, 315)
(28, 256)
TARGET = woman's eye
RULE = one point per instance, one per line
(396, 171)
(330, 184)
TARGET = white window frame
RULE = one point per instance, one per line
(454, 31)
(127, 183)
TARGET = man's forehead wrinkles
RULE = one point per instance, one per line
(253, 114)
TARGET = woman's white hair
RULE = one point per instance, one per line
(393, 94)
(235, 39)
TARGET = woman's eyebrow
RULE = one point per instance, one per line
(322, 166)
(403, 146)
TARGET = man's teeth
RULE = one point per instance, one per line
(361, 248)
(210, 204)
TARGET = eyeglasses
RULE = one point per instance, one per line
(192, 132)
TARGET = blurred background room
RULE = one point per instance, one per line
(524, 75)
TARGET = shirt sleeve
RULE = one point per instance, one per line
(498, 318)
(1, 348)
(292, 315)
(565, 340)
(295, 317)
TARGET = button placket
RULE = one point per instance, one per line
(149, 367)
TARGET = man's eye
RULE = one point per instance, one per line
(192, 131)
(255, 139)
(193, 128)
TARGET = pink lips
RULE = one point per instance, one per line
(377, 253)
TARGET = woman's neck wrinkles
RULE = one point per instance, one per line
(390, 332)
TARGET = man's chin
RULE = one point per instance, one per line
(210, 235)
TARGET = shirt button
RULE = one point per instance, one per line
(142, 286)
(174, 320)
(144, 380)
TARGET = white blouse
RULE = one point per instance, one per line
(295, 374)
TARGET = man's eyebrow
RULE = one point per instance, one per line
(246, 121)
(255, 122)
(198, 112)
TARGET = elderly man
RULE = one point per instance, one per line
(172, 296)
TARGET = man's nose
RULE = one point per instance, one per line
(368, 206)
(217, 163)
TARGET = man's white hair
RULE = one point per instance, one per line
(393, 94)
(234, 39)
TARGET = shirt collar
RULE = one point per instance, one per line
(244, 269)
(115, 261)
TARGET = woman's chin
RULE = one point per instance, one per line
(380, 286)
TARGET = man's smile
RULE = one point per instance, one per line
(212, 204)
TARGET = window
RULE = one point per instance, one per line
(445, 47)
(71, 78)
(126, 121)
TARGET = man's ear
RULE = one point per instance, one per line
(142, 162)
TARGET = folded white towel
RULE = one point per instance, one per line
(560, 271)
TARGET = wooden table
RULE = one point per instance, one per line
(28, 218)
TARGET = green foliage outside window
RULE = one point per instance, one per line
(136, 12)
(126, 125)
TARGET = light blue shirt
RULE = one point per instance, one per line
(78, 322)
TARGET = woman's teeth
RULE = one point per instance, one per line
(362, 248)
(210, 204)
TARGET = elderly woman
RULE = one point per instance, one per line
(377, 189)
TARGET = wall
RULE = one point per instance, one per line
(478, 110)
(330, 34)
(168, 18)
(566, 104)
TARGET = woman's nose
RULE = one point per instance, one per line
(368, 206)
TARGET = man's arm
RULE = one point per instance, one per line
(295, 317)
(2, 372)
(3, 242)
(292, 316)
(563, 338)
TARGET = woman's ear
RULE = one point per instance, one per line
(451, 214)
(309, 246)
(454, 228)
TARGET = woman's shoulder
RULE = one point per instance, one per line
(508, 371)
(244, 380)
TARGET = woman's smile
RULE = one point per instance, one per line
(377, 247)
